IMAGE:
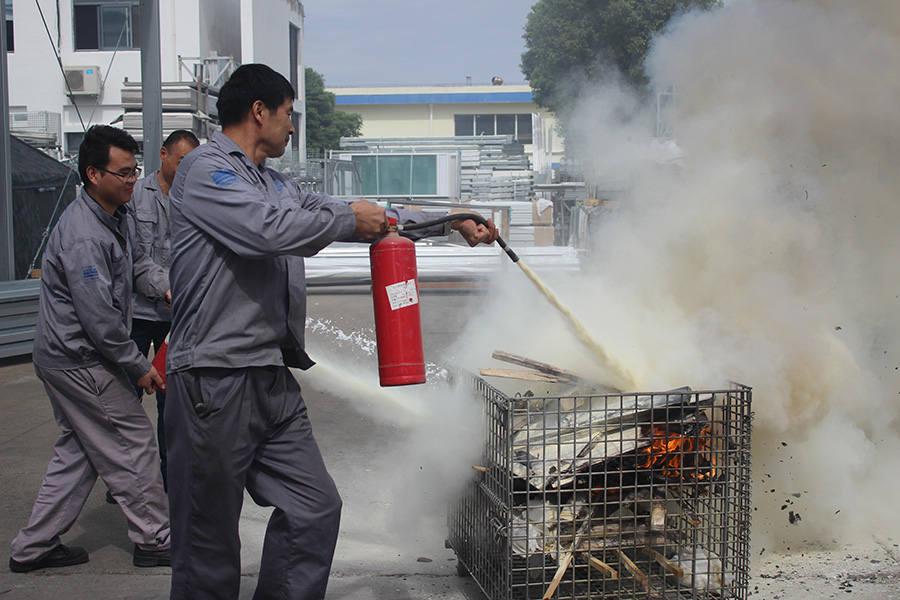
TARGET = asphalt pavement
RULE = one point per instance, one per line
(392, 535)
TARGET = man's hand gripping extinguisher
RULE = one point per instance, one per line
(395, 294)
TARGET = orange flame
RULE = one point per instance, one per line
(678, 456)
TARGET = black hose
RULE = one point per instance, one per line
(459, 217)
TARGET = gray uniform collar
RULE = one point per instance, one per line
(152, 183)
(226, 144)
(112, 221)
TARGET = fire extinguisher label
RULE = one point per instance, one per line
(402, 294)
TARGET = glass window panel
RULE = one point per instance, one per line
(424, 175)
(506, 124)
(10, 42)
(394, 175)
(484, 125)
(397, 175)
(523, 129)
(87, 27)
(464, 124)
(365, 166)
(113, 24)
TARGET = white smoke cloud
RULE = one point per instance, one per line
(434, 445)
(768, 257)
(781, 230)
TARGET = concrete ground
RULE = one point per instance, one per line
(380, 554)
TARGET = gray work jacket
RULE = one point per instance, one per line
(239, 232)
(150, 213)
(88, 272)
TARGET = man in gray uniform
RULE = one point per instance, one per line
(235, 416)
(83, 355)
(150, 211)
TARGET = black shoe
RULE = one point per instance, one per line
(61, 556)
(109, 498)
(152, 558)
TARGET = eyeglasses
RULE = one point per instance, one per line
(123, 176)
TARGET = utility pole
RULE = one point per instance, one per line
(7, 245)
(151, 84)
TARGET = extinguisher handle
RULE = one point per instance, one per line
(459, 217)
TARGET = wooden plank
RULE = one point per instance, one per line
(536, 365)
(601, 566)
(633, 569)
(517, 374)
(563, 565)
(664, 562)
(657, 515)
(639, 540)
(638, 574)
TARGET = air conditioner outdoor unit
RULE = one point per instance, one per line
(83, 81)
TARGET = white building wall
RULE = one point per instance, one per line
(178, 36)
(266, 39)
(269, 40)
(252, 30)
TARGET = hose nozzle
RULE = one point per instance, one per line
(459, 217)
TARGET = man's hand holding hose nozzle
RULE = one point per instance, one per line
(372, 221)
(474, 232)
(483, 230)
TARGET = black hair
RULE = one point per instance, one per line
(178, 135)
(249, 83)
(94, 150)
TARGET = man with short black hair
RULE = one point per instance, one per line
(149, 210)
(83, 355)
(235, 416)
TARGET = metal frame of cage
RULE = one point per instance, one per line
(639, 495)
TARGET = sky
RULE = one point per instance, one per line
(415, 42)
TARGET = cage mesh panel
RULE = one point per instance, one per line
(636, 495)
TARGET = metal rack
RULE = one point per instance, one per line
(608, 495)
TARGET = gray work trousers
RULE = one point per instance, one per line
(230, 429)
(103, 431)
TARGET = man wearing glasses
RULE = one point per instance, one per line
(84, 355)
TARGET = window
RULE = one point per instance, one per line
(464, 125)
(518, 126)
(107, 24)
(10, 44)
(398, 175)
(73, 141)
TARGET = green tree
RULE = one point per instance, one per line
(586, 40)
(325, 126)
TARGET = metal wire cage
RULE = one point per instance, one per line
(640, 495)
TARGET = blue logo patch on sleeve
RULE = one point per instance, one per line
(90, 273)
(279, 185)
(223, 178)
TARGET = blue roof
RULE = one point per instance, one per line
(445, 98)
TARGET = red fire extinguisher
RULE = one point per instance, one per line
(159, 360)
(398, 325)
